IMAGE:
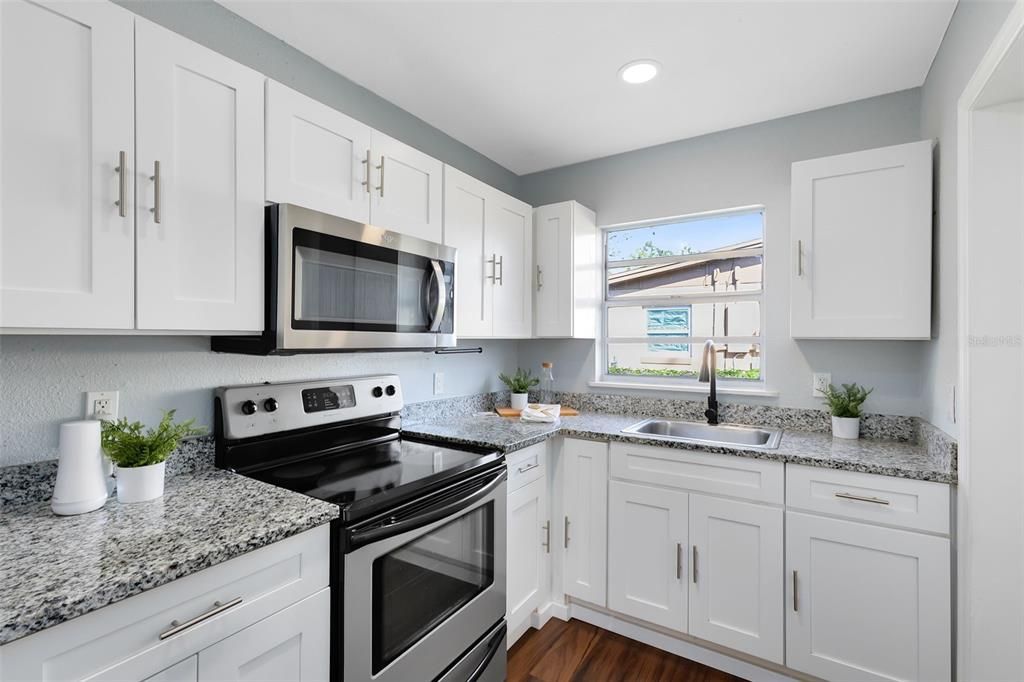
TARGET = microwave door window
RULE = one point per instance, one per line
(345, 290)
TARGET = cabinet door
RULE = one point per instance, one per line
(509, 238)
(862, 232)
(66, 108)
(184, 671)
(585, 526)
(553, 271)
(465, 206)
(199, 118)
(527, 553)
(317, 157)
(646, 553)
(293, 644)
(865, 602)
(406, 195)
(736, 575)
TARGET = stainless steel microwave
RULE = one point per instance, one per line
(334, 284)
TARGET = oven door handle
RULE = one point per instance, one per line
(492, 649)
(437, 279)
(377, 533)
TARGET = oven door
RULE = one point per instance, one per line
(347, 285)
(425, 582)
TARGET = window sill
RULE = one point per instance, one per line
(685, 388)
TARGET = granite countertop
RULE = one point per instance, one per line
(56, 568)
(889, 458)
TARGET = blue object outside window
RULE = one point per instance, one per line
(669, 322)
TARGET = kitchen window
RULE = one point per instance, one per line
(672, 284)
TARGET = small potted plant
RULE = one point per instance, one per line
(519, 384)
(845, 406)
(140, 457)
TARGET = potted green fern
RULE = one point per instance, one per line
(519, 384)
(140, 456)
(845, 406)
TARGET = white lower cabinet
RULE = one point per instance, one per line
(647, 543)
(585, 522)
(528, 551)
(289, 645)
(866, 602)
(736, 575)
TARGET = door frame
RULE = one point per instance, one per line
(1011, 31)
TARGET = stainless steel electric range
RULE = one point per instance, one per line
(418, 554)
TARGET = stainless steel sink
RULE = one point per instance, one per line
(704, 434)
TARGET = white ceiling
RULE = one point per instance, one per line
(534, 85)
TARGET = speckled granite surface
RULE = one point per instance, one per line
(890, 458)
(56, 568)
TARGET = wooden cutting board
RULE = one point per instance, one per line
(509, 412)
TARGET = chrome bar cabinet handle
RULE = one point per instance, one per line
(155, 177)
(380, 187)
(799, 258)
(493, 262)
(547, 537)
(500, 271)
(862, 498)
(528, 467)
(366, 182)
(122, 184)
(565, 534)
(795, 602)
(218, 607)
(693, 565)
(679, 561)
(540, 278)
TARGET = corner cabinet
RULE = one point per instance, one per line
(861, 226)
(566, 281)
(126, 206)
(493, 233)
(319, 158)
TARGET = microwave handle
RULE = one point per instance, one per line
(437, 279)
(376, 534)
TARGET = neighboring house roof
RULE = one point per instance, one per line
(682, 267)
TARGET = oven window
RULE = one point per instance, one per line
(420, 584)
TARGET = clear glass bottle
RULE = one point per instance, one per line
(547, 383)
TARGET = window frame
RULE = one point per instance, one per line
(725, 384)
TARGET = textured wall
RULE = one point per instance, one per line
(970, 32)
(214, 26)
(42, 379)
(742, 167)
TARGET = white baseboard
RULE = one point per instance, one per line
(679, 647)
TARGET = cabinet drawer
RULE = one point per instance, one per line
(526, 466)
(919, 505)
(123, 640)
(751, 479)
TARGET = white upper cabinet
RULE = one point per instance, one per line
(406, 193)
(866, 602)
(566, 278)
(317, 157)
(862, 245)
(736, 575)
(493, 233)
(199, 186)
(66, 144)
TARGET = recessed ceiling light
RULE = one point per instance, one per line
(640, 71)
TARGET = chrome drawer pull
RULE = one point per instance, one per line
(528, 467)
(218, 607)
(862, 498)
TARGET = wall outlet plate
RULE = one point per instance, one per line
(101, 405)
(819, 383)
(438, 383)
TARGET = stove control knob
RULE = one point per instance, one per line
(377, 391)
(270, 405)
(390, 390)
(249, 407)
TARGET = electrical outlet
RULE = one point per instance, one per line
(101, 405)
(438, 383)
(819, 383)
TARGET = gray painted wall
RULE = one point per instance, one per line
(740, 167)
(214, 26)
(42, 379)
(970, 32)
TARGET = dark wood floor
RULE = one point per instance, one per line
(575, 651)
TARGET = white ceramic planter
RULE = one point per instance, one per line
(519, 400)
(140, 484)
(846, 427)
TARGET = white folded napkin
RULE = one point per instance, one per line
(538, 412)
